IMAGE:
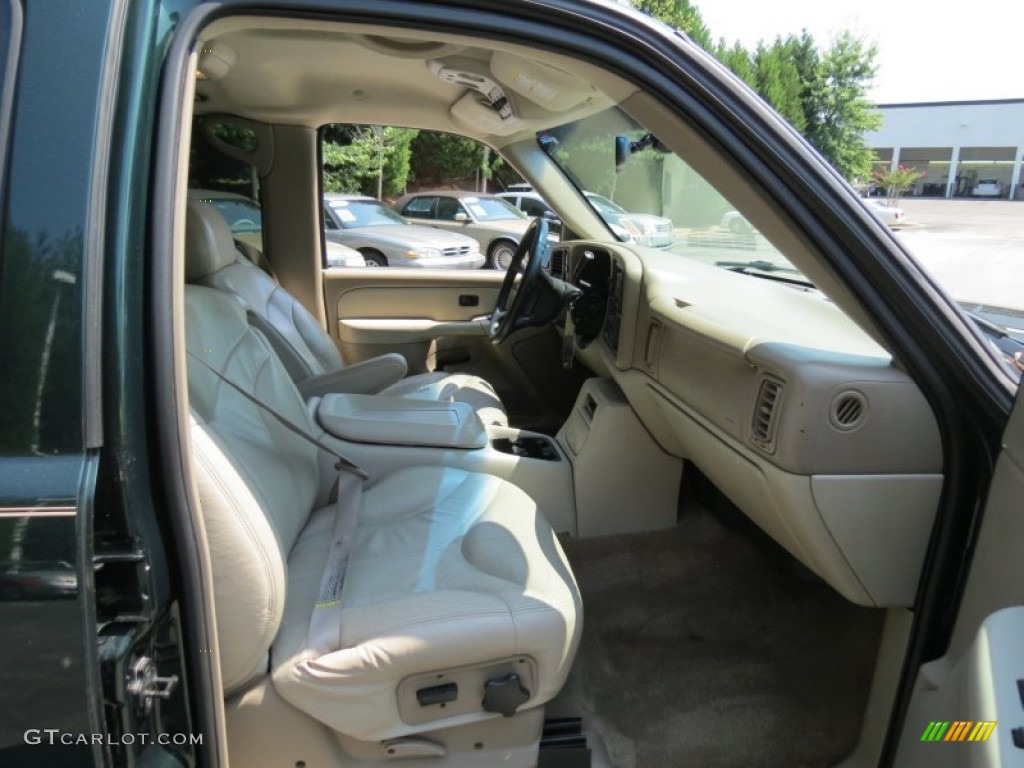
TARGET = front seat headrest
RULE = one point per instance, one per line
(209, 246)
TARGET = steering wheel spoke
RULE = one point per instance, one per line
(512, 307)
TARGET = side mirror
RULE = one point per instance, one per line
(461, 217)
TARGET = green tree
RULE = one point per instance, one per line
(803, 52)
(440, 157)
(737, 59)
(777, 79)
(366, 159)
(679, 14)
(840, 111)
(823, 94)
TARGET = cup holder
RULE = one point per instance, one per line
(528, 447)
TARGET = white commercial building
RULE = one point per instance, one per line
(965, 148)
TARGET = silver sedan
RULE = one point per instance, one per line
(386, 239)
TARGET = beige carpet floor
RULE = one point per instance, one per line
(702, 648)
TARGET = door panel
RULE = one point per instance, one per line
(374, 311)
(434, 319)
(978, 681)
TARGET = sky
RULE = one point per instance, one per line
(973, 50)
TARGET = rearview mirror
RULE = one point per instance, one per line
(461, 217)
(624, 147)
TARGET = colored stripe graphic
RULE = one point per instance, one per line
(935, 731)
(958, 730)
(982, 730)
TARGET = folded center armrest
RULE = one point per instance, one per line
(365, 378)
(401, 421)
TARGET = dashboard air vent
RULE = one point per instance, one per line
(766, 407)
(848, 410)
(558, 263)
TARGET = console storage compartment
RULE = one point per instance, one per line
(401, 421)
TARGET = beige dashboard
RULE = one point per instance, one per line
(791, 409)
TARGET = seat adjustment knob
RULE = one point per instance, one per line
(505, 694)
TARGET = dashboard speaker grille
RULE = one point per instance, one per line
(848, 410)
(769, 397)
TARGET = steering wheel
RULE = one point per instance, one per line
(514, 312)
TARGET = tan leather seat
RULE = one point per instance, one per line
(307, 351)
(453, 580)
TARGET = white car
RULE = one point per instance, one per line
(895, 217)
(889, 214)
(735, 222)
(988, 188)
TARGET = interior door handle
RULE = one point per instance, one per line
(469, 300)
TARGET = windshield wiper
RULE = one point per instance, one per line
(766, 270)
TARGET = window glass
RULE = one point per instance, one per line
(241, 215)
(448, 208)
(650, 196)
(492, 209)
(353, 214)
(653, 198)
(419, 208)
(533, 207)
(228, 184)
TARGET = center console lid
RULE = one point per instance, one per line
(401, 421)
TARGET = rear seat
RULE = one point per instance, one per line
(455, 589)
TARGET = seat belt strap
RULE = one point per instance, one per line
(342, 464)
(325, 623)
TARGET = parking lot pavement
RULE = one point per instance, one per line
(975, 248)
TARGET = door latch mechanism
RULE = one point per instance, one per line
(145, 684)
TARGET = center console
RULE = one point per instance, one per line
(385, 434)
(401, 421)
(624, 482)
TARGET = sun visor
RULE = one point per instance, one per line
(551, 88)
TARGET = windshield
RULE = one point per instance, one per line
(352, 214)
(651, 197)
(492, 209)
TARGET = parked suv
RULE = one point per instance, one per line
(639, 228)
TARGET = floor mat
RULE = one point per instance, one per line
(698, 650)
